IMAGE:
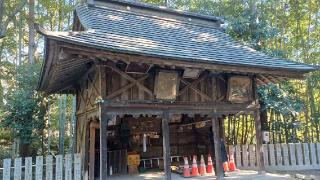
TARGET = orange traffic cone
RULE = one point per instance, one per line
(210, 166)
(232, 165)
(194, 166)
(186, 170)
(202, 168)
(225, 166)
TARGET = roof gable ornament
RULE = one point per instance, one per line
(90, 2)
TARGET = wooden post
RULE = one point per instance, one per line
(92, 152)
(77, 167)
(6, 173)
(28, 169)
(259, 150)
(39, 168)
(166, 145)
(59, 167)
(103, 120)
(217, 146)
(49, 169)
(68, 167)
(103, 145)
(17, 169)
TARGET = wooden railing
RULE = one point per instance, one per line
(295, 156)
(49, 168)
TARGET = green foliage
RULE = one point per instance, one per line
(280, 100)
(24, 111)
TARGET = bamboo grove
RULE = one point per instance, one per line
(282, 28)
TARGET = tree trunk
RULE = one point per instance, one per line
(264, 120)
(246, 131)
(31, 51)
(1, 86)
(312, 109)
(20, 40)
(242, 129)
(280, 129)
(49, 127)
(237, 130)
(73, 126)
(62, 121)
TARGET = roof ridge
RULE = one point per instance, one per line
(165, 9)
(146, 15)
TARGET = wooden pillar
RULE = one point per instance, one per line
(103, 123)
(259, 149)
(217, 146)
(257, 120)
(92, 152)
(103, 145)
(166, 145)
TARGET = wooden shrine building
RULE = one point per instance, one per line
(140, 71)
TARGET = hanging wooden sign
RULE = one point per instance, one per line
(240, 89)
(166, 85)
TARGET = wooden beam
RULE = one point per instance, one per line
(193, 83)
(74, 49)
(126, 87)
(260, 81)
(151, 106)
(191, 86)
(126, 76)
(274, 80)
(217, 146)
(265, 79)
(166, 145)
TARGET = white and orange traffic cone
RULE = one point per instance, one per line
(202, 168)
(232, 165)
(194, 171)
(209, 166)
(186, 170)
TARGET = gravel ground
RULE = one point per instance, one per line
(303, 174)
(242, 175)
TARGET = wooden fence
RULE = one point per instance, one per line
(49, 168)
(296, 156)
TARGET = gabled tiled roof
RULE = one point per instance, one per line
(135, 33)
